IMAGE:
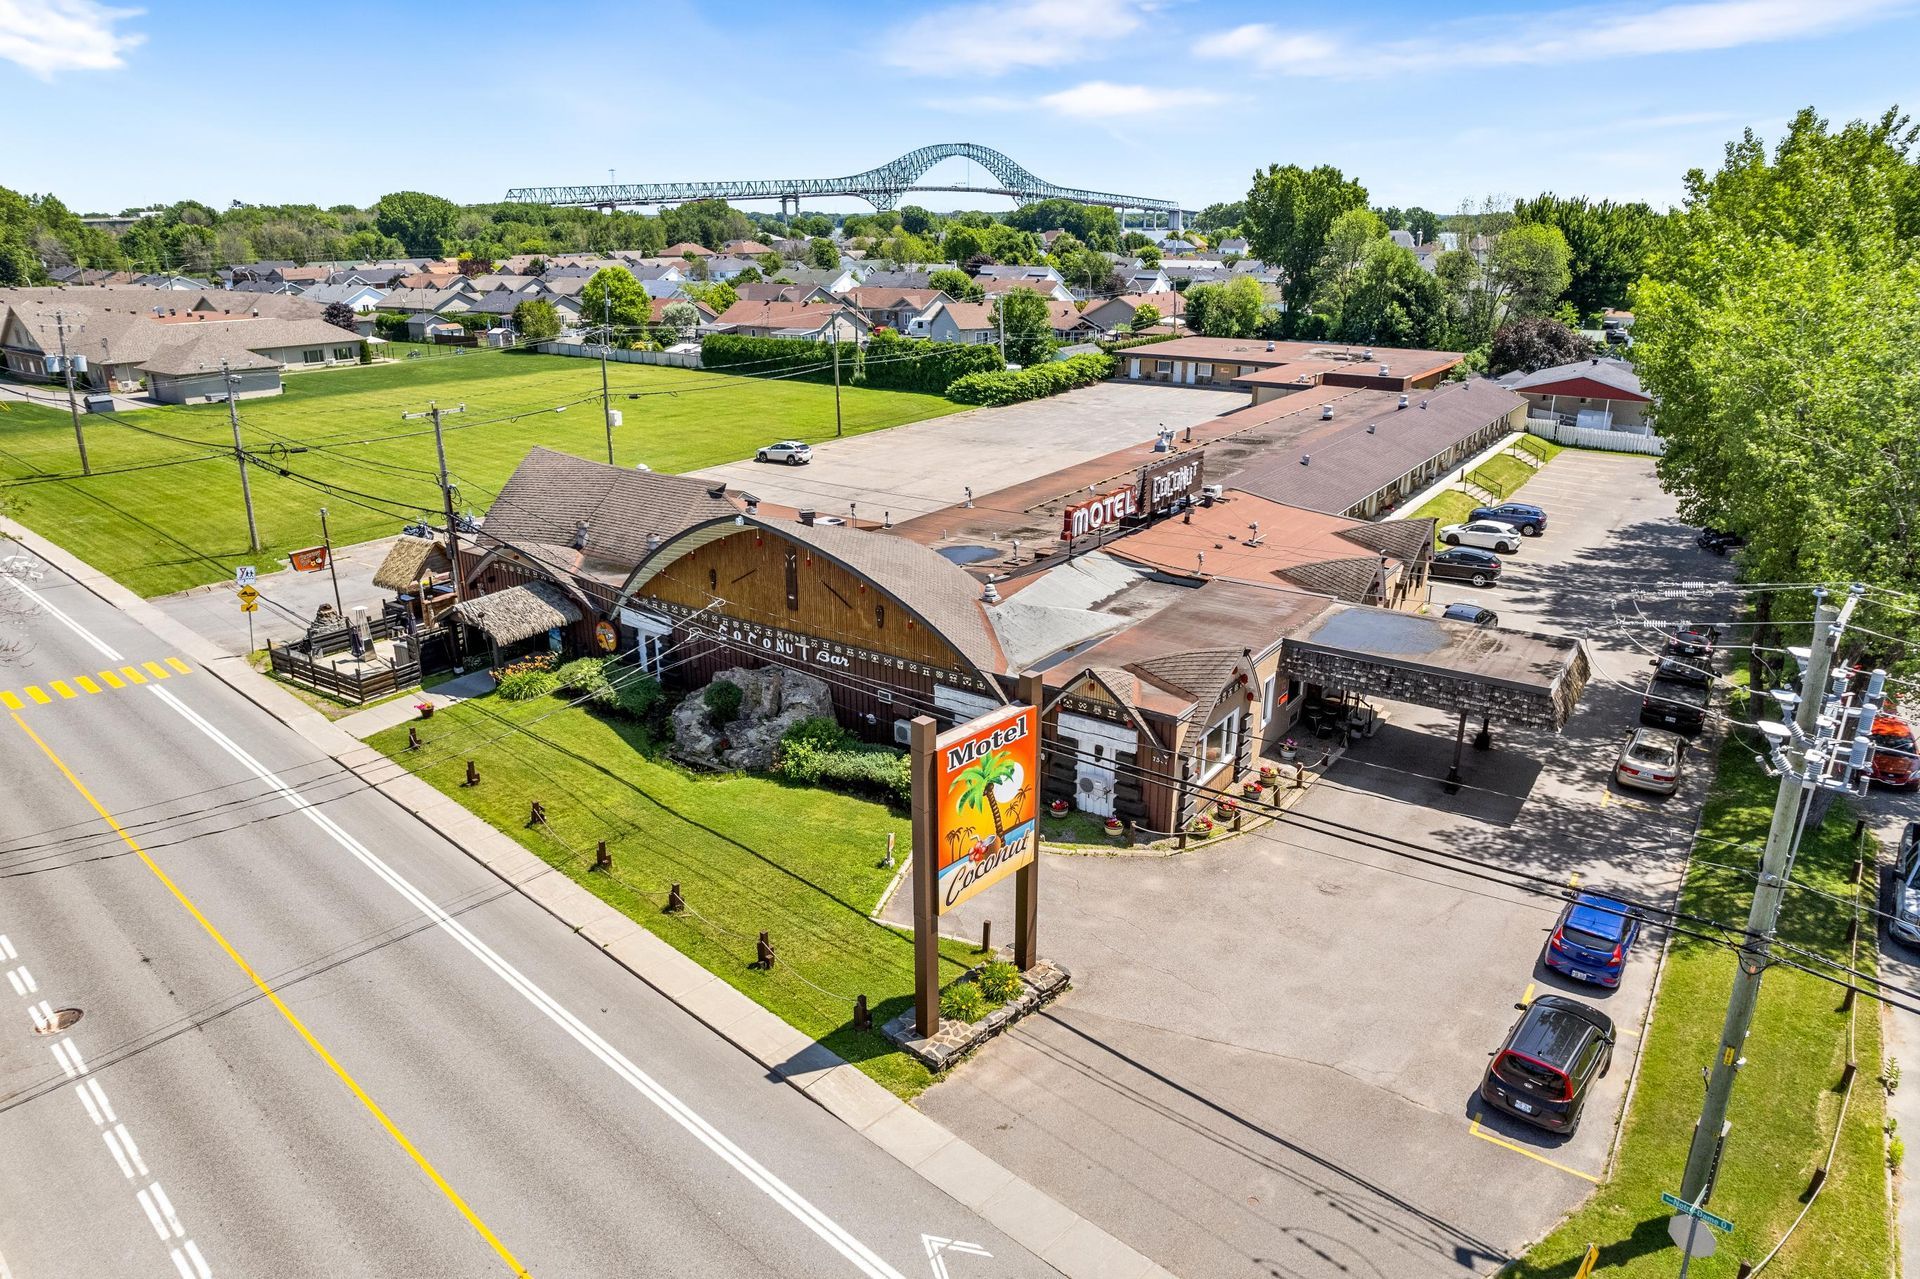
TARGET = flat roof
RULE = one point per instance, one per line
(1402, 362)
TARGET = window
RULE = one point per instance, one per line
(312, 357)
(1163, 366)
(1220, 745)
(343, 353)
(793, 579)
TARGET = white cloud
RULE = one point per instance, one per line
(49, 36)
(995, 37)
(1565, 37)
(1100, 100)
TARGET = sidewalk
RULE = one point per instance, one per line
(1044, 1226)
(396, 711)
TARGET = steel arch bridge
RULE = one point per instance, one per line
(881, 187)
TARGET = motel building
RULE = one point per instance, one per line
(1182, 630)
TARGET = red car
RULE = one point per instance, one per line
(1892, 762)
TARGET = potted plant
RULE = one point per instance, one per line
(1225, 809)
(1289, 750)
(1269, 774)
(1057, 808)
(425, 709)
(1114, 826)
(1253, 790)
(1202, 827)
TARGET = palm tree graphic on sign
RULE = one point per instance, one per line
(992, 779)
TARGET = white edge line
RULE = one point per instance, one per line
(100, 646)
(831, 1232)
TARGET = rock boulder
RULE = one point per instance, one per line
(773, 699)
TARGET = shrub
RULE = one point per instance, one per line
(525, 685)
(1052, 378)
(891, 362)
(723, 700)
(586, 676)
(820, 732)
(963, 1002)
(634, 695)
(1000, 982)
(818, 752)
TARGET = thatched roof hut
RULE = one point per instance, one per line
(519, 612)
(411, 559)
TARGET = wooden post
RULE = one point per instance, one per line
(926, 882)
(1026, 881)
(1452, 785)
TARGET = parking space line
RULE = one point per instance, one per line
(1522, 1150)
(1526, 996)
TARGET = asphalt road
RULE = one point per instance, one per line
(318, 1040)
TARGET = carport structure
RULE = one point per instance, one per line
(1518, 677)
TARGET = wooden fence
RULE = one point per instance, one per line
(358, 682)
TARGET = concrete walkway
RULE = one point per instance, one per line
(398, 710)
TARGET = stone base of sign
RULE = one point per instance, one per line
(1045, 981)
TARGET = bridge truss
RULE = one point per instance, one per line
(881, 187)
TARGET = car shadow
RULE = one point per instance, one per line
(1507, 1128)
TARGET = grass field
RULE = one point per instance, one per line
(802, 864)
(161, 514)
(1787, 1100)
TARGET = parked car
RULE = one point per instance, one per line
(1905, 925)
(792, 452)
(1695, 643)
(1525, 516)
(1545, 1069)
(1492, 534)
(1650, 760)
(1592, 939)
(1719, 540)
(1464, 564)
(1677, 696)
(1892, 762)
(1465, 612)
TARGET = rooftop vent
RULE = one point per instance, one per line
(1370, 427)
(1403, 402)
(580, 536)
(1423, 404)
(1306, 459)
(1326, 412)
(991, 595)
(808, 516)
(753, 503)
(1383, 370)
(1269, 346)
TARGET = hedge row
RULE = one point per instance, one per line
(818, 752)
(1138, 339)
(1031, 383)
(889, 362)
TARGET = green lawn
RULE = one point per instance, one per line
(1787, 1099)
(1501, 474)
(749, 852)
(1450, 507)
(178, 522)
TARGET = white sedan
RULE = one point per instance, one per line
(1489, 535)
(792, 452)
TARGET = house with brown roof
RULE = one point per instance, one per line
(686, 248)
(1269, 369)
(817, 322)
(1109, 314)
(905, 311)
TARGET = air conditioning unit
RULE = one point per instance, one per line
(1213, 492)
(902, 732)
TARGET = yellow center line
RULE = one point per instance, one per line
(179, 666)
(260, 984)
(63, 688)
(155, 669)
(39, 698)
(1503, 1143)
(111, 680)
(86, 685)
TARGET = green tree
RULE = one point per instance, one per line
(1233, 309)
(1388, 300)
(1145, 316)
(1606, 245)
(341, 316)
(682, 317)
(1221, 217)
(1149, 256)
(1021, 315)
(1528, 268)
(811, 224)
(771, 265)
(917, 221)
(1534, 342)
(716, 296)
(420, 222)
(1347, 241)
(1289, 212)
(536, 320)
(613, 297)
(822, 254)
(1423, 225)
(956, 284)
(708, 223)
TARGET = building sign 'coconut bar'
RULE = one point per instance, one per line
(1165, 484)
(987, 792)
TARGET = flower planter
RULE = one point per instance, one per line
(425, 709)
(1057, 808)
(1253, 790)
(1202, 828)
(1269, 774)
(1114, 826)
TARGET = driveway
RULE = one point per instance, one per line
(1267, 1066)
(924, 466)
(288, 599)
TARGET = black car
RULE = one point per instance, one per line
(1696, 643)
(1473, 613)
(1549, 1062)
(1719, 540)
(1464, 564)
(1525, 516)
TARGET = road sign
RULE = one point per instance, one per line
(248, 594)
(245, 575)
(249, 606)
(1687, 1236)
(1680, 1205)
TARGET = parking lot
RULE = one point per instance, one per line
(1269, 1061)
(924, 466)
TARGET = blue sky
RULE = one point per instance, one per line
(1425, 103)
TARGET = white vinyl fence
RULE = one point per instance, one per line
(591, 351)
(1586, 437)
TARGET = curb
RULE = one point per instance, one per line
(1024, 1213)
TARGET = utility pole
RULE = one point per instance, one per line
(239, 454)
(605, 406)
(1803, 758)
(836, 377)
(326, 540)
(73, 405)
(435, 412)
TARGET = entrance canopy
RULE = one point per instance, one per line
(1518, 677)
(519, 612)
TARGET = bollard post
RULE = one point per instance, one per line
(1859, 869)
(538, 816)
(1126, 832)
(675, 902)
(765, 950)
(1853, 930)
(1846, 999)
(1847, 1073)
(602, 859)
(1236, 819)
(1819, 1179)
(986, 936)
(889, 862)
(413, 739)
(473, 775)
(1746, 1268)
(862, 1018)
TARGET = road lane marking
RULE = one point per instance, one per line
(153, 1213)
(1517, 1149)
(100, 646)
(38, 697)
(12, 701)
(19, 987)
(119, 1154)
(133, 674)
(63, 688)
(1526, 996)
(6, 948)
(133, 1151)
(100, 1096)
(179, 666)
(62, 1053)
(155, 669)
(111, 680)
(829, 1231)
(199, 1270)
(273, 997)
(166, 1210)
(86, 685)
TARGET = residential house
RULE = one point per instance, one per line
(819, 323)
(660, 305)
(1052, 290)
(1146, 280)
(1070, 323)
(433, 301)
(362, 299)
(905, 311)
(1016, 271)
(745, 248)
(1232, 246)
(888, 279)
(1111, 313)
(1603, 394)
(428, 327)
(768, 291)
(834, 280)
(687, 248)
(969, 322)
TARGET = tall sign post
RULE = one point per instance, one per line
(1026, 880)
(976, 798)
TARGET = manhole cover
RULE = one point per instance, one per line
(63, 1019)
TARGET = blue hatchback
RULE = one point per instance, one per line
(1528, 518)
(1592, 938)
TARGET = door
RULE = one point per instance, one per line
(1191, 367)
(1133, 370)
